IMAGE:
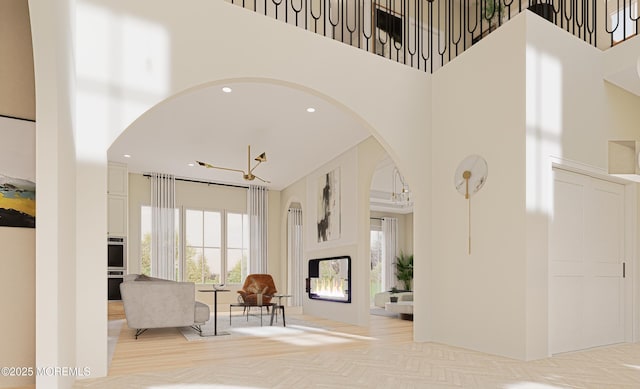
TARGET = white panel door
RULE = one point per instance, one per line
(586, 251)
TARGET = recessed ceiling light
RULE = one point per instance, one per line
(311, 109)
(127, 156)
(226, 89)
(192, 164)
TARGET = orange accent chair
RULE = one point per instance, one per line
(256, 284)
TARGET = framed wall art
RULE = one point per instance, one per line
(329, 206)
(17, 173)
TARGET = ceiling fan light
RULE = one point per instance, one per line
(248, 175)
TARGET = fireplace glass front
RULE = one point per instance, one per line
(330, 279)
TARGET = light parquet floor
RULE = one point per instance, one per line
(381, 356)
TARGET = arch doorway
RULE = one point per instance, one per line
(391, 241)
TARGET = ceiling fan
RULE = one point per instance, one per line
(249, 176)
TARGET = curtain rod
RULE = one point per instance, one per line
(17, 118)
(376, 218)
(203, 182)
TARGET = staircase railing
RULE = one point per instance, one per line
(427, 34)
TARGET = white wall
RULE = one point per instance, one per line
(479, 297)
(294, 193)
(571, 114)
(539, 101)
(17, 97)
(356, 170)
(56, 335)
(17, 279)
(346, 244)
(370, 153)
(209, 197)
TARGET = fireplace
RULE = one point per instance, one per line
(330, 279)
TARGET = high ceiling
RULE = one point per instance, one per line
(216, 127)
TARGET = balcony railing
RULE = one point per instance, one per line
(426, 34)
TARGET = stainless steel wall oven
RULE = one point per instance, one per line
(116, 265)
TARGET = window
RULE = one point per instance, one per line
(145, 241)
(377, 264)
(237, 247)
(203, 247)
(623, 20)
(211, 253)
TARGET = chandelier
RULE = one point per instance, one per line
(401, 193)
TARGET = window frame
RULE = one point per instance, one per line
(245, 244)
(183, 221)
(182, 245)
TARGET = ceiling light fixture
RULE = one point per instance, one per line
(127, 156)
(311, 109)
(192, 164)
(401, 194)
(226, 89)
(249, 176)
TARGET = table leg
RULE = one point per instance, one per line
(215, 317)
(284, 322)
(215, 313)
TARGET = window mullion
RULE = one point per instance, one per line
(223, 247)
(203, 258)
(178, 249)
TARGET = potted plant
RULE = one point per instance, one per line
(404, 269)
(393, 298)
(493, 11)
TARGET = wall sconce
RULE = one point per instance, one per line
(624, 161)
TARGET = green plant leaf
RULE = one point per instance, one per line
(404, 269)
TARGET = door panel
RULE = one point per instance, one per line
(608, 233)
(568, 225)
(566, 314)
(607, 320)
(586, 250)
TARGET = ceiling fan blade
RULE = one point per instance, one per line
(249, 176)
(209, 166)
(254, 168)
(261, 179)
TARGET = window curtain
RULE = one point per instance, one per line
(163, 235)
(295, 257)
(258, 213)
(389, 251)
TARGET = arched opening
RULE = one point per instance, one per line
(391, 242)
(294, 237)
(301, 132)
